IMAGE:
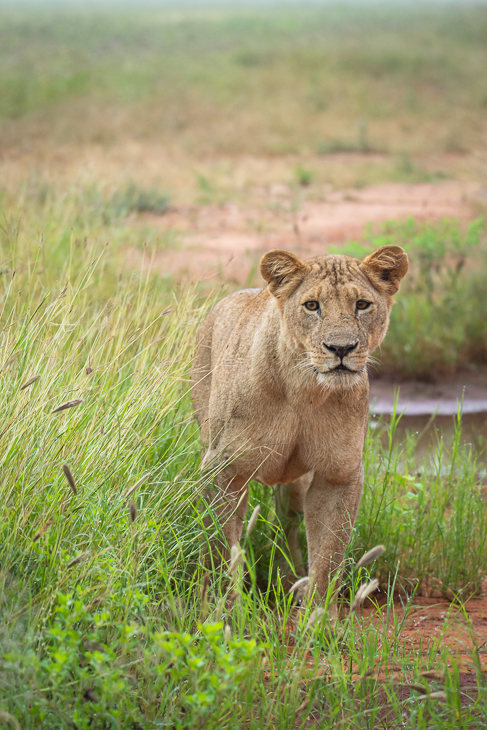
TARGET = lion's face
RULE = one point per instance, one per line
(335, 309)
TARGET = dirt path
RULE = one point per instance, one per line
(436, 621)
(225, 242)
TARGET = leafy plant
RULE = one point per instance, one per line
(134, 199)
(304, 176)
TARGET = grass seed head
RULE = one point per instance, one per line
(227, 634)
(315, 616)
(66, 405)
(219, 609)
(365, 590)
(10, 719)
(237, 556)
(253, 520)
(434, 675)
(70, 478)
(434, 696)
(133, 512)
(137, 484)
(204, 596)
(421, 688)
(43, 529)
(77, 560)
(370, 556)
(298, 585)
(30, 382)
(369, 674)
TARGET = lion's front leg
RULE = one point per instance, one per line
(330, 512)
(289, 501)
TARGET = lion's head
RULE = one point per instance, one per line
(334, 309)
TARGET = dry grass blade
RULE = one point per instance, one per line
(133, 512)
(70, 478)
(43, 529)
(30, 382)
(137, 484)
(77, 560)
(253, 520)
(66, 405)
(365, 590)
(370, 556)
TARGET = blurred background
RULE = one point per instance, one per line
(192, 137)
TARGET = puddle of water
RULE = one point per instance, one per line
(424, 399)
(429, 429)
(429, 410)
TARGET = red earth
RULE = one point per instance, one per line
(225, 242)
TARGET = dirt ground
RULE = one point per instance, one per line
(432, 624)
(214, 242)
(436, 621)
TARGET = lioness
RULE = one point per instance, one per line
(281, 394)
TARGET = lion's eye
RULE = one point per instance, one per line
(312, 306)
(362, 304)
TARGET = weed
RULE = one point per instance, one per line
(133, 199)
(304, 176)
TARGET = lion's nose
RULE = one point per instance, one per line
(341, 351)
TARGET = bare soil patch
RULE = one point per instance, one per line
(435, 621)
(225, 242)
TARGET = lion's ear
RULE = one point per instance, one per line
(283, 271)
(386, 267)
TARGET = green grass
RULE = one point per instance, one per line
(402, 79)
(107, 618)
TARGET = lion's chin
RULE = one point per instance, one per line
(340, 379)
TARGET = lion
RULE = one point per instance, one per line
(280, 391)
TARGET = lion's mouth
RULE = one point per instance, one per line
(340, 367)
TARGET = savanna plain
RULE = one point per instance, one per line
(128, 141)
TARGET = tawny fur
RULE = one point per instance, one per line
(271, 404)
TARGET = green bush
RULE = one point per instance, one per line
(133, 199)
(88, 668)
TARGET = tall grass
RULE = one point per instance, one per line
(108, 618)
